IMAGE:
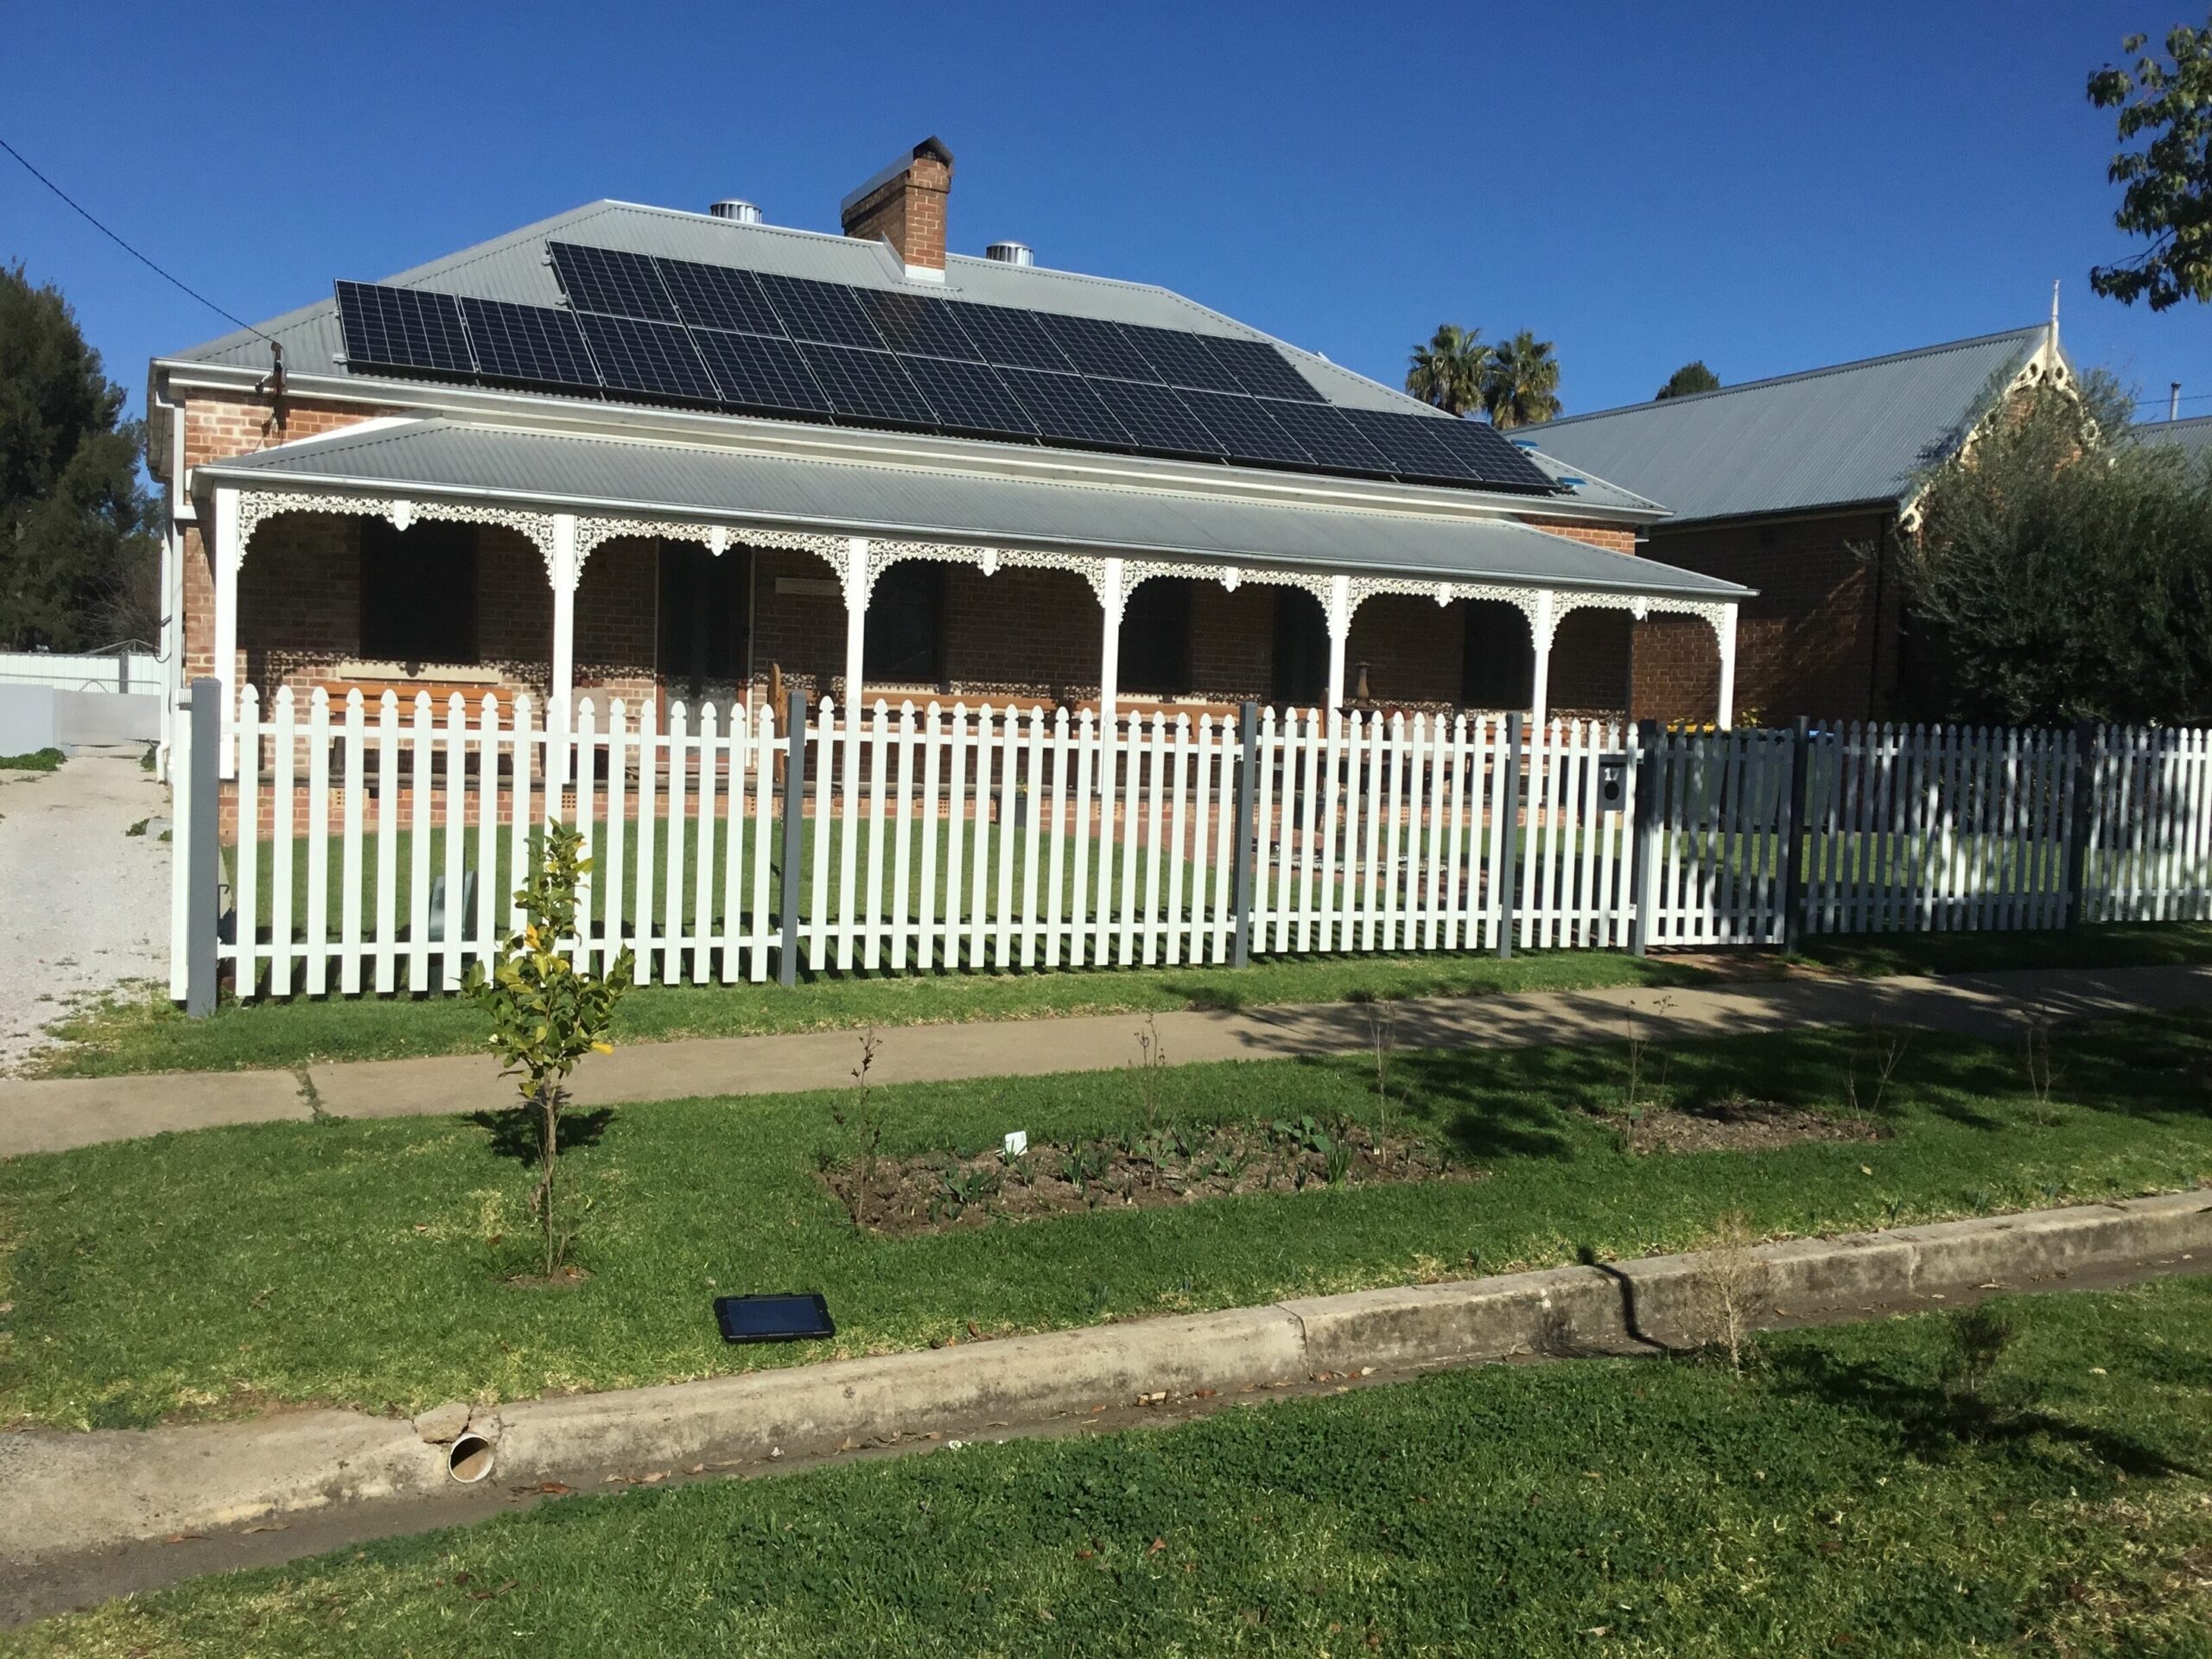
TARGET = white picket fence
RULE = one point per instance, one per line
(379, 846)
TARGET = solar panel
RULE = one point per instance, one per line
(1066, 407)
(1247, 431)
(1158, 418)
(1494, 458)
(1261, 369)
(970, 397)
(1182, 359)
(919, 324)
(612, 282)
(1326, 434)
(403, 328)
(1011, 338)
(828, 312)
(761, 342)
(759, 373)
(654, 358)
(533, 345)
(1415, 448)
(717, 297)
(868, 385)
(1098, 348)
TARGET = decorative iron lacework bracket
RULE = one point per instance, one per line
(256, 507)
(1230, 576)
(1640, 606)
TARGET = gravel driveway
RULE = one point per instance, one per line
(84, 906)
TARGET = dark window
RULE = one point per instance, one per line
(1301, 659)
(1156, 638)
(1499, 667)
(704, 601)
(905, 625)
(418, 593)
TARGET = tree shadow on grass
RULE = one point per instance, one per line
(1934, 1429)
(514, 1130)
(1526, 1112)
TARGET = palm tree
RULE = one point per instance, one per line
(1448, 372)
(1521, 383)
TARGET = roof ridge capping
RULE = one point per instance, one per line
(1797, 375)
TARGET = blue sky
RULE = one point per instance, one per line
(1769, 187)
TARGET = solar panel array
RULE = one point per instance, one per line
(638, 327)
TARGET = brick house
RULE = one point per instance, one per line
(638, 452)
(1799, 487)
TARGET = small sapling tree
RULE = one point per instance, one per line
(545, 1015)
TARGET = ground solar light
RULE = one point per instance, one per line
(791, 1316)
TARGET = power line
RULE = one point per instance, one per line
(87, 217)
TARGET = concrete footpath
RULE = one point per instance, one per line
(48, 1115)
(89, 1516)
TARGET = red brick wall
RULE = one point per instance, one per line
(1590, 663)
(618, 607)
(1811, 642)
(1415, 650)
(1613, 538)
(216, 428)
(1677, 670)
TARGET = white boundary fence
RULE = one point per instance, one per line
(381, 845)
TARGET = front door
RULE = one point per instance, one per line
(703, 633)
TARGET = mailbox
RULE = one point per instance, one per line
(1612, 782)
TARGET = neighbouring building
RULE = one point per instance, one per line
(2193, 436)
(634, 452)
(1799, 487)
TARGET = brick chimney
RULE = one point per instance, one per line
(904, 205)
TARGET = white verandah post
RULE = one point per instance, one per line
(1339, 635)
(1542, 626)
(1726, 630)
(855, 575)
(1109, 644)
(563, 572)
(223, 553)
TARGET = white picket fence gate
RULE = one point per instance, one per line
(379, 848)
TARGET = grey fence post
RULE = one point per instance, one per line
(1796, 821)
(1650, 788)
(1509, 802)
(794, 826)
(2079, 819)
(1248, 830)
(203, 849)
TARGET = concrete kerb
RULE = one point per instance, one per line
(68, 1494)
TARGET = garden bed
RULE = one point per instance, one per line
(1142, 1169)
(1739, 1124)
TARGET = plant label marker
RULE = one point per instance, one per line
(1017, 1142)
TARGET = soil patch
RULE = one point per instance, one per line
(1743, 1126)
(1149, 1169)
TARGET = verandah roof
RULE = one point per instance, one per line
(599, 475)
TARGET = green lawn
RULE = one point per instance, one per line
(2150, 944)
(1827, 1501)
(368, 1262)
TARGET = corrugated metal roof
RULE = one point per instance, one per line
(515, 267)
(605, 474)
(1857, 432)
(2193, 436)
